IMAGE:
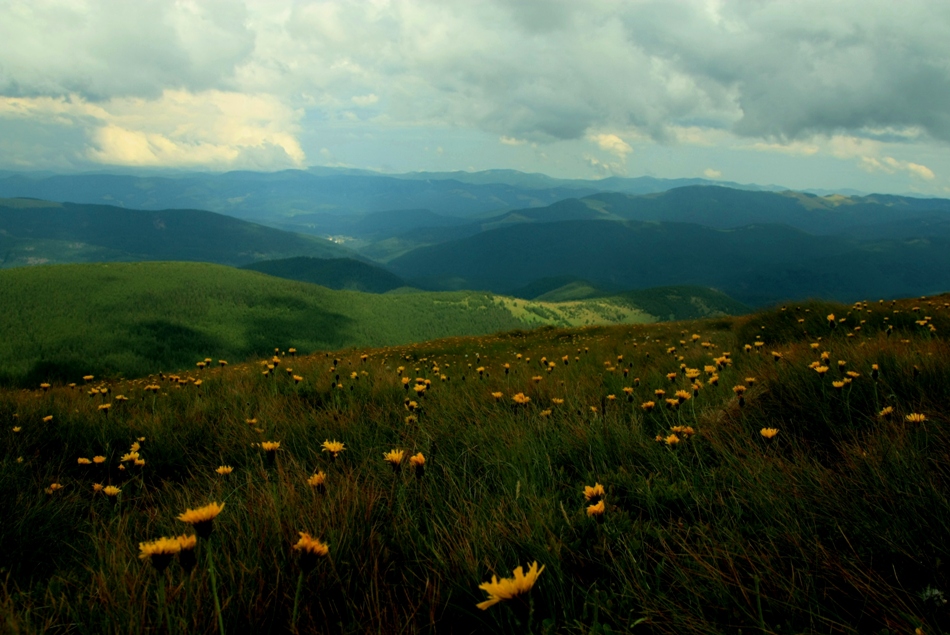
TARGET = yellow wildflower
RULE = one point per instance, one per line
(508, 588)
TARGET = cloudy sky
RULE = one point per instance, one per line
(802, 93)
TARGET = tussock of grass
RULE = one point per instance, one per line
(835, 525)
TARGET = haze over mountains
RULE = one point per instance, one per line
(500, 231)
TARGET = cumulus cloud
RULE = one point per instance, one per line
(613, 144)
(710, 173)
(890, 165)
(213, 128)
(846, 78)
(100, 49)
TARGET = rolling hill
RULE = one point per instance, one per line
(66, 321)
(40, 232)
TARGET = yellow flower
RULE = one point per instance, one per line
(521, 399)
(311, 548)
(202, 518)
(597, 510)
(497, 396)
(135, 447)
(768, 433)
(54, 487)
(394, 458)
(672, 440)
(159, 552)
(508, 588)
(99, 459)
(18, 428)
(97, 487)
(139, 462)
(111, 490)
(648, 405)
(556, 401)
(48, 419)
(318, 480)
(333, 446)
(886, 412)
(417, 460)
(224, 469)
(270, 446)
(915, 417)
(593, 493)
(129, 456)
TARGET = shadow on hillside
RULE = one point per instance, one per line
(304, 327)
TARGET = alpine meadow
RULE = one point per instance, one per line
(323, 317)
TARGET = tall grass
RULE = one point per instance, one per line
(835, 525)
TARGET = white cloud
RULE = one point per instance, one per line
(213, 129)
(511, 141)
(890, 165)
(710, 173)
(613, 144)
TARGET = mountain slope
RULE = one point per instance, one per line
(67, 321)
(335, 273)
(757, 264)
(37, 232)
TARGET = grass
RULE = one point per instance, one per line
(835, 525)
(62, 322)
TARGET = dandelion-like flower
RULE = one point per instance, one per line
(111, 491)
(593, 493)
(54, 487)
(887, 411)
(318, 481)
(186, 551)
(521, 399)
(202, 519)
(394, 458)
(159, 552)
(671, 440)
(768, 433)
(80, 461)
(915, 417)
(311, 549)
(509, 588)
(597, 511)
(224, 469)
(334, 447)
(648, 405)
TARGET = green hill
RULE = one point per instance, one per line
(63, 322)
(39, 232)
(333, 273)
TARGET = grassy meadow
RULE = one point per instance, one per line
(709, 521)
(62, 322)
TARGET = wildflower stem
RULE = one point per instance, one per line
(162, 606)
(293, 623)
(214, 591)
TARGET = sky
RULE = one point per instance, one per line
(836, 94)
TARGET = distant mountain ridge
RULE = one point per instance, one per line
(755, 264)
(40, 232)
